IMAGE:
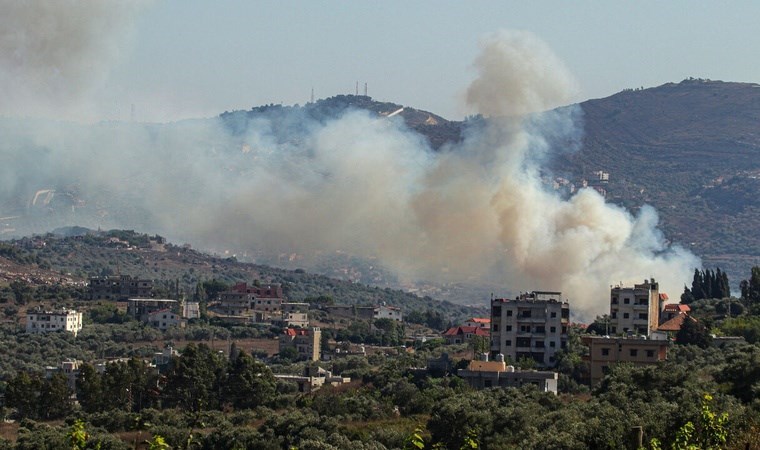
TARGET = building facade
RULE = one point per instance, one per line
(606, 351)
(534, 325)
(141, 308)
(635, 310)
(119, 287)
(486, 374)
(163, 319)
(308, 343)
(39, 321)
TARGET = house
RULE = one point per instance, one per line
(245, 300)
(70, 368)
(163, 319)
(313, 379)
(141, 308)
(119, 287)
(482, 322)
(533, 325)
(308, 342)
(483, 374)
(672, 310)
(39, 321)
(635, 309)
(463, 334)
(387, 312)
(605, 351)
(365, 312)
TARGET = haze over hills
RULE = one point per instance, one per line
(331, 186)
(690, 149)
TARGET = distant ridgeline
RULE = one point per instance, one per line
(291, 122)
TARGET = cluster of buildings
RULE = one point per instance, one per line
(247, 304)
(534, 326)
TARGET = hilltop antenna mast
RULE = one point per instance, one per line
(365, 89)
(357, 88)
(312, 94)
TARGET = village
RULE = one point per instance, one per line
(516, 345)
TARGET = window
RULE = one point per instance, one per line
(605, 370)
(539, 344)
(643, 316)
(553, 329)
(553, 315)
(625, 315)
(526, 313)
(509, 313)
(614, 315)
(540, 329)
(634, 352)
(650, 353)
(552, 344)
(508, 343)
(627, 301)
(496, 327)
(605, 352)
(524, 328)
(614, 301)
(509, 327)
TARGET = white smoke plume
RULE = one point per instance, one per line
(368, 186)
(54, 53)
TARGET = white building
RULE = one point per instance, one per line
(164, 319)
(387, 312)
(534, 325)
(635, 310)
(39, 321)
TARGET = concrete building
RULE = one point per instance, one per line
(141, 308)
(39, 321)
(534, 325)
(245, 300)
(635, 310)
(119, 287)
(313, 379)
(387, 312)
(485, 374)
(163, 319)
(607, 351)
(308, 343)
(191, 310)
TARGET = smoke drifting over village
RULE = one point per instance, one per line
(366, 185)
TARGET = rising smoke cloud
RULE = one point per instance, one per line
(368, 186)
(54, 54)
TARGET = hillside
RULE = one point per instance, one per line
(53, 260)
(692, 150)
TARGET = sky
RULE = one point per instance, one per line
(177, 59)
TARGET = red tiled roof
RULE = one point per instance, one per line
(664, 296)
(675, 323)
(480, 320)
(676, 307)
(457, 331)
(294, 332)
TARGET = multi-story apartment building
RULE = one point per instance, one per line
(245, 300)
(534, 325)
(635, 310)
(119, 287)
(39, 321)
(607, 351)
